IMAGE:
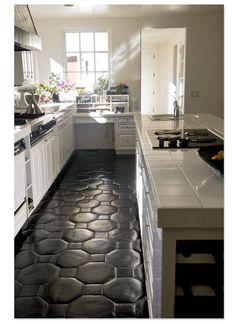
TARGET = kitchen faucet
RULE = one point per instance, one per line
(176, 109)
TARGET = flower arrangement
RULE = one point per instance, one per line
(56, 85)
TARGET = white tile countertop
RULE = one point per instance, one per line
(189, 192)
(21, 131)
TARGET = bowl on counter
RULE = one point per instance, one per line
(208, 152)
(50, 108)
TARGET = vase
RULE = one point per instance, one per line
(55, 97)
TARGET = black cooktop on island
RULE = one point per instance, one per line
(186, 138)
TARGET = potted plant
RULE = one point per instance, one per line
(102, 84)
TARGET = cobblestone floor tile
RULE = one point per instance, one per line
(80, 255)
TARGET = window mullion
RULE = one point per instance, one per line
(80, 58)
(94, 57)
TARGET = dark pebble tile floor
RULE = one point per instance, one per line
(79, 255)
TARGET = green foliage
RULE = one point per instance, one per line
(102, 83)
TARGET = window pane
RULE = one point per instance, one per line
(72, 42)
(72, 77)
(101, 42)
(87, 43)
(88, 79)
(73, 63)
(87, 60)
(101, 61)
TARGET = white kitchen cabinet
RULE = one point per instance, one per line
(124, 135)
(38, 171)
(151, 235)
(43, 166)
(65, 140)
(50, 158)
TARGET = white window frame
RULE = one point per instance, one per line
(87, 29)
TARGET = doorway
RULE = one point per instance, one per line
(162, 69)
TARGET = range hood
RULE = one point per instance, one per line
(26, 37)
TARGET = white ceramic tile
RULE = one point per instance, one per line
(179, 201)
(213, 217)
(159, 157)
(161, 164)
(157, 288)
(152, 152)
(167, 176)
(175, 190)
(183, 154)
(181, 216)
(196, 172)
(157, 263)
(157, 152)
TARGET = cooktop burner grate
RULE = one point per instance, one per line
(185, 138)
(20, 121)
(28, 116)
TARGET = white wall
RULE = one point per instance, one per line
(204, 53)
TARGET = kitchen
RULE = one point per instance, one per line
(166, 220)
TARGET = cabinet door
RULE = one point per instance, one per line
(38, 168)
(71, 137)
(50, 159)
(65, 140)
(61, 145)
(54, 154)
(126, 140)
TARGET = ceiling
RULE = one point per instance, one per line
(116, 11)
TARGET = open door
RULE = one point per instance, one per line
(162, 69)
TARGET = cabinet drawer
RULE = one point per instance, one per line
(125, 127)
(126, 119)
(126, 140)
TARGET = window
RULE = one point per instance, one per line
(87, 57)
(27, 64)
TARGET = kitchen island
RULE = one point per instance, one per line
(181, 205)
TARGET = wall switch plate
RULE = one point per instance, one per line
(194, 93)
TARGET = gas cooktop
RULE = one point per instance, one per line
(182, 138)
(21, 119)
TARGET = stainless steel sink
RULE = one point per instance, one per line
(165, 117)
